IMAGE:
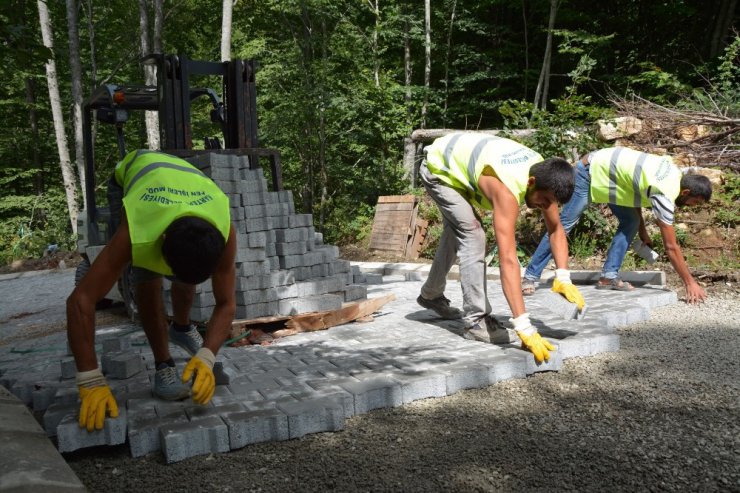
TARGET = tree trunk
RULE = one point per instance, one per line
(158, 26)
(722, 23)
(540, 95)
(375, 7)
(427, 59)
(151, 118)
(68, 176)
(447, 62)
(33, 121)
(407, 69)
(323, 175)
(76, 69)
(91, 35)
(227, 8)
(526, 49)
(307, 162)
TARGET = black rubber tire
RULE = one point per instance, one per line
(126, 288)
(82, 269)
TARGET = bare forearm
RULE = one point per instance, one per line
(511, 285)
(675, 256)
(81, 332)
(219, 326)
(559, 248)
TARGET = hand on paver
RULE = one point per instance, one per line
(531, 339)
(563, 285)
(205, 383)
(96, 399)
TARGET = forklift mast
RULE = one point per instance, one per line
(171, 98)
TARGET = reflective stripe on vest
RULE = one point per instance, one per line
(159, 189)
(625, 177)
(459, 159)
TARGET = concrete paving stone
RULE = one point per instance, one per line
(29, 460)
(558, 305)
(167, 408)
(204, 436)
(317, 303)
(374, 393)
(284, 391)
(116, 344)
(143, 431)
(71, 437)
(553, 364)
(256, 426)
(68, 368)
(417, 385)
(201, 412)
(504, 365)
(43, 396)
(23, 390)
(55, 413)
(223, 373)
(121, 365)
(373, 278)
(462, 375)
(334, 394)
(312, 416)
(602, 343)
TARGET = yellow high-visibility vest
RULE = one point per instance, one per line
(625, 177)
(459, 160)
(158, 189)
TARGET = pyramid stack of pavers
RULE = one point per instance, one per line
(282, 265)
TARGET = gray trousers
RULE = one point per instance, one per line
(463, 237)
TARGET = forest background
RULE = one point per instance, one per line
(342, 84)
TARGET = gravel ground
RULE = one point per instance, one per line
(662, 414)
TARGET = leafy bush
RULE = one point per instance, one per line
(32, 223)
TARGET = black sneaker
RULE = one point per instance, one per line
(441, 306)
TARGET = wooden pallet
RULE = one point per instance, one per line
(396, 228)
(263, 330)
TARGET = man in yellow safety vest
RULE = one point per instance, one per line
(174, 222)
(628, 180)
(468, 169)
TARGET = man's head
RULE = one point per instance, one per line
(192, 248)
(552, 180)
(695, 190)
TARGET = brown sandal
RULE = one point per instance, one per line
(528, 287)
(615, 284)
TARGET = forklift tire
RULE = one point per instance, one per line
(126, 288)
(82, 269)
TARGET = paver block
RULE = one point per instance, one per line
(121, 365)
(312, 416)
(71, 437)
(417, 385)
(463, 375)
(247, 427)
(558, 305)
(374, 393)
(116, 344)
(203, 436)
(143, 431)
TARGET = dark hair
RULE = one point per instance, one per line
(192, 248)
(554, 174)
(697, 185)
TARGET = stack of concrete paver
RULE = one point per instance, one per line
(282, 265)
(310, 382)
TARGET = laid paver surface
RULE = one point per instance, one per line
(310, 382)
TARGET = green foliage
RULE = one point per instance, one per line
(727, 200)
(29, 224)
(655, 83)
(561, 131)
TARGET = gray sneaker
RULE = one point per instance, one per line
(167, 384)
(441, 306)
(191, 341)
(492, 333)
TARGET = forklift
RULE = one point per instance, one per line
(233, 111)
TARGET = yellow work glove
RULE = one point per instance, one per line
(531, 339)
(95, 399)
(563, 285)
(205, 383)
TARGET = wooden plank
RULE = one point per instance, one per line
(310, 322)
(420, 233)
(396, 198)
(396, 206)
(394, 242)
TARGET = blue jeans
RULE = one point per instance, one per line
(629, 222)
